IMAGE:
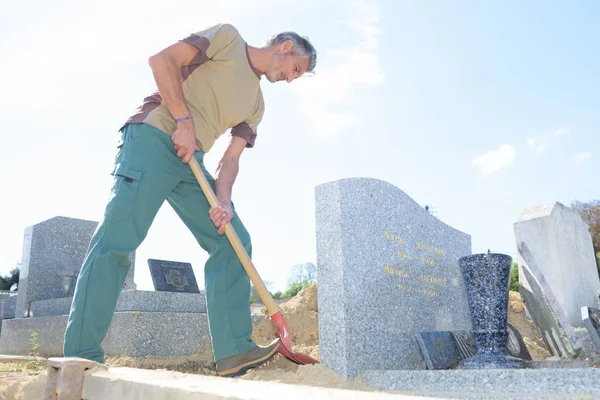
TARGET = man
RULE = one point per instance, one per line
(207, 83)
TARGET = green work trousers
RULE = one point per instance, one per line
(147, 172)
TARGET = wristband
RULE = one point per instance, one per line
(182, 119)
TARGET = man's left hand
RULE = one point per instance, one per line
(221, 216)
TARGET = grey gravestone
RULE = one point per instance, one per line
(53, 252)
(8, 304)
(560, 243)
(172, 276)
(387, 270)
(591, 320)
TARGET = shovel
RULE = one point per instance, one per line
(265, 296)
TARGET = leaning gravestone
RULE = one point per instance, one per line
(387, 269)
(53, 252)
(172, 276)
(561, 245)
(545, 310)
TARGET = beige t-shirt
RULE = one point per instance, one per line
(220, 86)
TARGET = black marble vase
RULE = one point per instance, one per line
(487, 279)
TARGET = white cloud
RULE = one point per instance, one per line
(343, 72)
(495, 160)
(562, 132)
(581, 157)
(537, 145)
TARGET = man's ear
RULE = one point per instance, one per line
(287, 46)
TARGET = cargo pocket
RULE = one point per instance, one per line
(124, 192)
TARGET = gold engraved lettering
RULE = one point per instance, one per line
(434, 280)
(438, 251)
(428, 260)
(430, 293)
(404, 287)
(403, 253)
(395, 271)
(394, 238)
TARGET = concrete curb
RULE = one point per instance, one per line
(136, 384)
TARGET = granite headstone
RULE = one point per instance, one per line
(388, 270)
(53, 252)
(173, 276)
(8, 304)
(561, 245)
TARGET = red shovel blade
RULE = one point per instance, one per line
(286, 342)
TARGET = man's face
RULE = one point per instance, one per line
(285, 66)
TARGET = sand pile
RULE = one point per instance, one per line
(30, 387)
(301, 315)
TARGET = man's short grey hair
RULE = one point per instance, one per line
(302, 47)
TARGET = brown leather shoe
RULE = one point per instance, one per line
(239, 364)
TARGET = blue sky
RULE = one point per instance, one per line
(478, 109)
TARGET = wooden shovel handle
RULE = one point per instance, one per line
(263, 293)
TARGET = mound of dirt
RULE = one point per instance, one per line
(30, 386)
(301, 315)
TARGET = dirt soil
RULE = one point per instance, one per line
(301, 314)
(22, 385)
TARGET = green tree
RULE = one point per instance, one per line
(254, 297)
(590, 212)
(6, 282)
(277, 295)
(514, 277)
(295, 288)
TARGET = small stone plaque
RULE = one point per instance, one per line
(439, 349)
(591, 320)
(444, 350)
(172, 276)
(465, 343)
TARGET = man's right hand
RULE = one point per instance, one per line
(184, 140)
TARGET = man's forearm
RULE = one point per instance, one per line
(227, 171)
(167, 75)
